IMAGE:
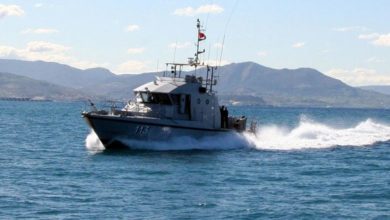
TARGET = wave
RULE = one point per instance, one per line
(92, 142)
(311, 134)
(308, 134)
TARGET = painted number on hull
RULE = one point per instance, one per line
(142, 130)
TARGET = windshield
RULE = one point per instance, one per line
(153, 98)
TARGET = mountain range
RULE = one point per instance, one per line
(238, 83)
(16, 86)
(377, 88)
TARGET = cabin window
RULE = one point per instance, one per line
(145, 96)
(202, 90)
(207, 101)
(161, 98)
(138, 97)
(175, 99)
(154, 98)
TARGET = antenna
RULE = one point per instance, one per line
(223, 44)
(174, 52)
(226, 26)
(208, 55)
(158, 62)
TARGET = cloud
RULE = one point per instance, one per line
(38, 5)
(132, 67)
(262, 53)
(360, 76)
(377, 39)
(36, 51)
(375, 60)
(46, 51)
(382, 40)
(10, 10)
(298, 45)
(179, 45)
(40, 31)
(203, 9)
(350, 28)
(8, 52)
(43, 46)
(368, 36)
(132, 27)
(135, 50)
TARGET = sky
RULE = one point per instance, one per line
(348, 40)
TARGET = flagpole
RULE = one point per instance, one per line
(197, 45)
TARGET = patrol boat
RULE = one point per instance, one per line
(178, 104)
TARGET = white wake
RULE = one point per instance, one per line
(308, 134)
(92, 142)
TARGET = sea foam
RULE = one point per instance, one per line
(92, 142)
(311, 134)
(307, 134)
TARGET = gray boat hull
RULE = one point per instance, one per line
(117, 132)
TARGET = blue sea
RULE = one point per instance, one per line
(303, 163)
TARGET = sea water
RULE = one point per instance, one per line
(302, 163)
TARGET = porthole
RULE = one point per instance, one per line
(207, 101)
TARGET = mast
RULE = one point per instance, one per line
(210, 81)
(201, 36)
(195, 62)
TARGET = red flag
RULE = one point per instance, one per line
(201, 36)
